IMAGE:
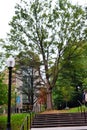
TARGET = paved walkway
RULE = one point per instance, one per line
(62, 128)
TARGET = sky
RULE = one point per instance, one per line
(7, 11)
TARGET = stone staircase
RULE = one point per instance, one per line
(59, 120)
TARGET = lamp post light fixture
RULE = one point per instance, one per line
(10, 64)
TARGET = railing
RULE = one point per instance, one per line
(80, 106)
(27, 123)
(82, 109)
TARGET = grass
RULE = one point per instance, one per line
(78, 109)
(71, 110)
(16, 121)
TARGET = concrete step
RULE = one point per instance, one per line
(59, 120)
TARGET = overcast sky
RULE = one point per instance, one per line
(7, 11)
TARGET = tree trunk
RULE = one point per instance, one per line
(49, 99)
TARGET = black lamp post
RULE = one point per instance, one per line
(10, 64)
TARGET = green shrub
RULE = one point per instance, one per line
(16, 121)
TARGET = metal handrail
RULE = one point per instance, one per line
(80, 106)
(82, 110)
(27, 123)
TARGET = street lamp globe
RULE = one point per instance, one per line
(10, 62)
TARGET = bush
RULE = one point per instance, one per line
(16, 121)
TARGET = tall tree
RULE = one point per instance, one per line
(47, 28)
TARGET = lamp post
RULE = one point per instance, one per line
(10, 64)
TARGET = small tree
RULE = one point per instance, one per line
(27, 73)
(67, 92)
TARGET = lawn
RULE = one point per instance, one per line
(71, 110)
(78, 109)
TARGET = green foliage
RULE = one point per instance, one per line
(46, 29)
(67, 92)
(3, 91)
(72, 78)
(16, 121)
